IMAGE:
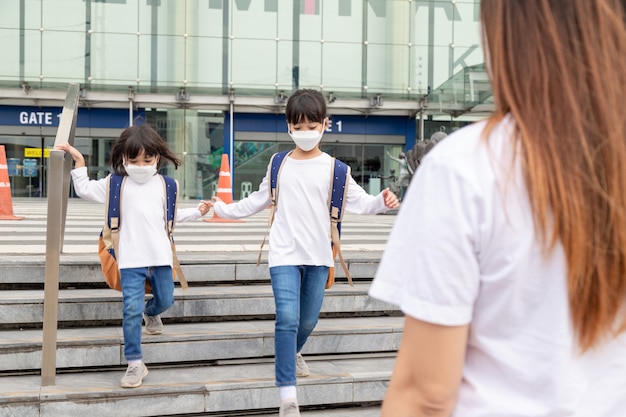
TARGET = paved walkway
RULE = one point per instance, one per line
(363, 236)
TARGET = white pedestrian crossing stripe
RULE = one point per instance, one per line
(84, 221)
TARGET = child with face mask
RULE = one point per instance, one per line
(299, 251)
(145, 252)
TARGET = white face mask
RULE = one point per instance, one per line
(306, 139)
(140, 174)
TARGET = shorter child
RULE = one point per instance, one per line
(300, 252)
(144, 252)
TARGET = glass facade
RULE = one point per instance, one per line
(189, 67)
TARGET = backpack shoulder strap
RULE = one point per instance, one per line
(171, 200)
(339, 181)
(340, 173)
(276, 163)
(170, 187)
(113, 213)
(114, 201)
(273, 173)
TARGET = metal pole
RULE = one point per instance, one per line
(131, 96)
(58, 190)
(232, 136)
(51, 288)
(422, 111)
(421, 124)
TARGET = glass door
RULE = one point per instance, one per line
(27, 160)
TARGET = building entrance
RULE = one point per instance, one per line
(27, 160)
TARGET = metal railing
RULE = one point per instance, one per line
(58, 192)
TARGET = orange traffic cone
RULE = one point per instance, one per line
(224, 191)
(6, 204)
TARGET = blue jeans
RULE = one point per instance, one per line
(298, 296)
(133, 296)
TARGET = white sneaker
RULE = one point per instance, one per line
(154, 325)
(289, 409)
(302, 369)
(134, 375)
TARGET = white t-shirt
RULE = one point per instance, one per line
(300, 234)
(143, 238)
(464, 250)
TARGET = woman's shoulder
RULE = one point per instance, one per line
(461, 141)
(471, 147)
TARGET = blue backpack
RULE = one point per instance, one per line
(340, 178)
(108, 242)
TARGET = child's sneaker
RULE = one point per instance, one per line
(154, 325)
(289, 409)
(302, 369)
(134, 375)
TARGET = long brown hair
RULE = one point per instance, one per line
(559, 68)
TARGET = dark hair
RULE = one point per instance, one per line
(306, 104)
(133, 140)
(558, 68)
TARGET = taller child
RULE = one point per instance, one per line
(300, 252)
(145, 253)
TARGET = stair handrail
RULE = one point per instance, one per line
(58, 193)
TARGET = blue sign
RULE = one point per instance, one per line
(13, 165)
(340, 125)
(49, 117)
(30, 168)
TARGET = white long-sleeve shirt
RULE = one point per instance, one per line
(143, 238)
(300, 234)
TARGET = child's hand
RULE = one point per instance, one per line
(216, 199)
(75, 153)
(204, 207)
(391, 200)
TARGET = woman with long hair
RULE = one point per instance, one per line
(508, 256)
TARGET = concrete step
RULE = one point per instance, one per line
(197, 390)
(355, 411)
(24, 308)
(196, 342)
(215, 357)
(198, 268)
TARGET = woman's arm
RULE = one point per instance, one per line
(428, 370)
(398, 160)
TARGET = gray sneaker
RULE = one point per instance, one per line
(154, 325)
(134, 376)
(289, 409)
(302, 369)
